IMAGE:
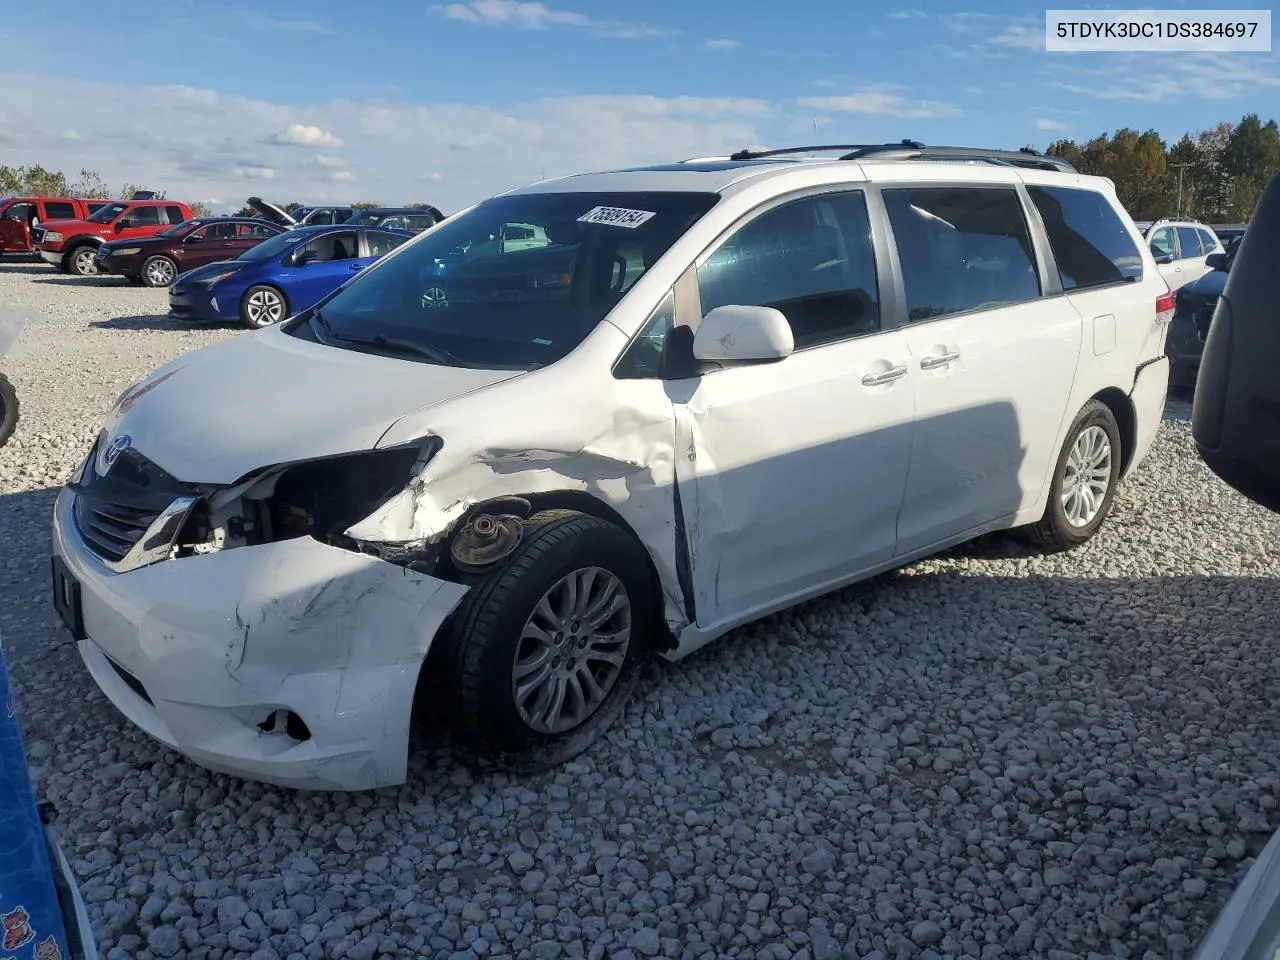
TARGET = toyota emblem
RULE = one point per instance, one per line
(116, 447)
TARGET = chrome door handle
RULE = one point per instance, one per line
(932, 363)
(880, 379)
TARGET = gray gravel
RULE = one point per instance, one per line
(990, 754)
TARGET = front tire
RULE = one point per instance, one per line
(1084, 481)
(158, 271)
(80, 261)
(545, 650)
(8, 409)
(261, 306)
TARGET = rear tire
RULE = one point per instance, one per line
(261, 306)
(79, 261)
(158, 271)
(8, 409)
(1084, 481)
(504, 638)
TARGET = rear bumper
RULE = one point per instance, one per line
(199, 652)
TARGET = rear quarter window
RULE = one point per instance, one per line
(1089, 241)
(59, 211)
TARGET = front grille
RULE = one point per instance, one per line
(114, 510)
(111, 529)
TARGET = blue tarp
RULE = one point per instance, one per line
(31, 926)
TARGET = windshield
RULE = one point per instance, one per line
(275, 246)
(517, 282)
(179, 229)
(108, 213)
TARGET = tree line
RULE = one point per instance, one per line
(1215, 175)
(36, 181)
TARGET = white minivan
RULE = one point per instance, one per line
(497, 477)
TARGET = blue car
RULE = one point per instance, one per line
(281, 276)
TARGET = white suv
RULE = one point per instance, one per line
(501, 476)
(1180, 248)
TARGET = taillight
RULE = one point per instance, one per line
(1164, 306)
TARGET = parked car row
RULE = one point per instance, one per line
(255, 270)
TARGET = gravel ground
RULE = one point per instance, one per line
(989, 754)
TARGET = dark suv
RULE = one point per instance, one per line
(413, 219)
(157, 261)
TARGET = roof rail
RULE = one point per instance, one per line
(915, 150)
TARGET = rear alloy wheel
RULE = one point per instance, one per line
(1084, 481)
(262, 306)
(545, 649)
(80, 262)
(8, 409)
(158, 271)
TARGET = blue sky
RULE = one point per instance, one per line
(393, 101)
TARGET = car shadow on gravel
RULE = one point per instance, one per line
(120, 282)
(151, 321)
(23, 266)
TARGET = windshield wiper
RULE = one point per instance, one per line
(318, 320)
(435, 355)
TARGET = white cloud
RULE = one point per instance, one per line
(532, 15)
(196, 143)
(1025, 38)
(323, 160)
(910, 13)
(1056, 126)
(723, 44)
(255, 171)
(303, 135)
(881, 101)
(342, 176)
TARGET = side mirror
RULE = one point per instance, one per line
(121, 224)
(305, 257)
(1162, 257)
(1216, 261)
(742, 334)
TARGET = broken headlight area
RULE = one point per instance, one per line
(311, 498)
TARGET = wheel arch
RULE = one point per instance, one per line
(1121, 407)
(75, 243)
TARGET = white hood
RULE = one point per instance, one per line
(265, 397)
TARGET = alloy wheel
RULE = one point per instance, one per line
(83, 260)
(571, 650)
(1087, 477)
(160, 272)
(264, 308)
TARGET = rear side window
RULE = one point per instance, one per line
(93, 207)
(383, 243)
(1189, 242)
(1162, 244)
(1088, 239)
(175, 214)
(55, 210)
(1208, 242)
(811, 259)
(961, 249)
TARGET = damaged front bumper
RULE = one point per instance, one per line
(291, 662)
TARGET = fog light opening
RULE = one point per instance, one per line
(288, 723)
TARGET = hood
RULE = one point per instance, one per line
(271, 211)
(1209, 285)
(263, 398)
(74, 226)
(139, 242)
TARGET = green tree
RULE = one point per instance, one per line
(1069, 151)
(127, 190)
(1251, 157)
(90, 185)
(200, 209)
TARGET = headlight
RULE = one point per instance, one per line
(216, 278)
(126, 252)
(52, 236)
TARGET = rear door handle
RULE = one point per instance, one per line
(932, 363)
(888, 376)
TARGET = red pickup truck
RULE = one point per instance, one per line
(70, 245)
(19, 214)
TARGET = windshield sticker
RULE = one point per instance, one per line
(616, 216)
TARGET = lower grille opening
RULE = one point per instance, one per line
(132, 682)
(288, 723)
